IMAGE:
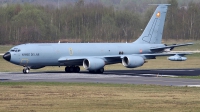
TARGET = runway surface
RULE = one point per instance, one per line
(155, 77)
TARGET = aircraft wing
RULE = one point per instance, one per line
(68, 58)
(170, 47)
(111, 59)
(79, 59)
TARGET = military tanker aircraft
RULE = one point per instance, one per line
(94, 56)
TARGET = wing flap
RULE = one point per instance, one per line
(78, 60)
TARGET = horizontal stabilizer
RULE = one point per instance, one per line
(167, 54)
(153, 56)
(159, 4)
(156, 49)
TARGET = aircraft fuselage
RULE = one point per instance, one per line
(48, 54)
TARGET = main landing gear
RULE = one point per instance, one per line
(72, 69)
(26, 70)
(100, 71)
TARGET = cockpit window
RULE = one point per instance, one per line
(15, 50)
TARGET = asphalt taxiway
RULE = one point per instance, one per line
(154, 77)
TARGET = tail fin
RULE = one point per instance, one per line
(154, 29)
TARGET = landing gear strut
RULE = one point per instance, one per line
(26, 70)
(72, 69)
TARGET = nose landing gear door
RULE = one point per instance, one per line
(24, 62)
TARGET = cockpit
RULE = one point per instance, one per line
(15, 50)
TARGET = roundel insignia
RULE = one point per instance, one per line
(158, 14)
(140, 50)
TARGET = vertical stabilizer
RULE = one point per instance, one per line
(154, 29)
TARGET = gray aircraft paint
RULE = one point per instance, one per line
(153, 32)
(50, 53)
(131, 55)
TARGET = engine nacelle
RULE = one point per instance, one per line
(132, 61)
(177, 58)
(93, 63)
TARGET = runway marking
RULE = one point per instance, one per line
(197, 51)
(157, 75)
(143, 75)
(174, 70)
(192, 85)
(171, 81)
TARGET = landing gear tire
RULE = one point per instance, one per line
(91, 71)
(66, 69)
(99, 71)
(72, 69)
(76, 69)
(26, 70)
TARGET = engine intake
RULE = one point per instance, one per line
(93, 63)
(132, 61)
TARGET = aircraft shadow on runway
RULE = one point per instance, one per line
(147, 73)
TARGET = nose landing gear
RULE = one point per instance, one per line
(26, 70)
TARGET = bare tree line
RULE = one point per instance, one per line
(26, 23)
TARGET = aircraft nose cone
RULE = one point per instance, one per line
(7, 56)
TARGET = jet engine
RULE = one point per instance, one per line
(93, 64)
(177, 58)
(132, 61)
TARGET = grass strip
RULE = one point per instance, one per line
(190, 77)
(93, 97)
